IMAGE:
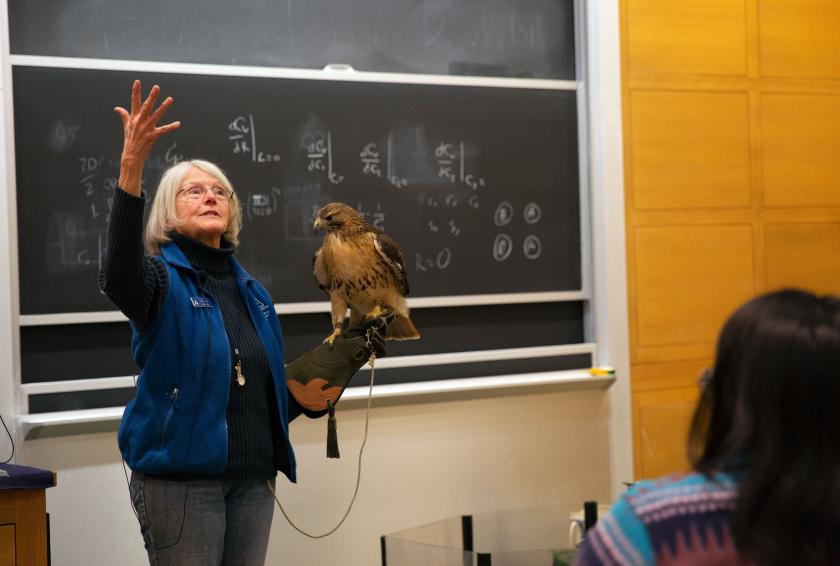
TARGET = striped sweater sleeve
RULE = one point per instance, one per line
(618, 539)
(135, 282)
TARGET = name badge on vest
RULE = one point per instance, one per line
(266, 310)
(201, 302)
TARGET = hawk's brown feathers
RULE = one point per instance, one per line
(362, 268)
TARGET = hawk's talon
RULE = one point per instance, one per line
(331, 338)
(377, 311)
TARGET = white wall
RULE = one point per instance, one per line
(423, 462)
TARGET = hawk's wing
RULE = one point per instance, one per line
(391, 255)
(320, 271)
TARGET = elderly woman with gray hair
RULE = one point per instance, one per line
(208, 427)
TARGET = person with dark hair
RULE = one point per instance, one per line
(208, 428)
(765, 447)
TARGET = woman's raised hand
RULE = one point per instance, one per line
(140, 134)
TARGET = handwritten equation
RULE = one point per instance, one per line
(371, 159)
(450, 159)
(243, 135)
(377, 159)
(319, 153)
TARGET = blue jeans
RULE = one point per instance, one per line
(203, 522)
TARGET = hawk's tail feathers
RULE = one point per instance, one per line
(402, 329)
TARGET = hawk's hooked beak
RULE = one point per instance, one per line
(317, 225)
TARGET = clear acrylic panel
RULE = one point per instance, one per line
(408, 553)
(538, 536)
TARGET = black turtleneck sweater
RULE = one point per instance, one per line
(137, 282)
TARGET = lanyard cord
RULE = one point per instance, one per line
(12, 440)
(358, 470)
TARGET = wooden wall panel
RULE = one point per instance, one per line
(731, 116)
(689, 149)
(800, 137)
(686, 37)
(799, 39)
(662, 420)
(803, 255)
(682, 297)
(683, 374)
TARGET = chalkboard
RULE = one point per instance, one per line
(86, 351)
(478, 185)
(450, 37)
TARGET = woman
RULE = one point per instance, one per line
(765, 446)
(208, 427)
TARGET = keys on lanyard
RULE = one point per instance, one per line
(237, 366)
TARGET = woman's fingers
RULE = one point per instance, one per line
(135, 97)
(158, 114)
(161, 110)
(123, 114)
(167, 128)
(144, 114)
(146, 109)
(140, 124)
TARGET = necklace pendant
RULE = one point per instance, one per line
(240, 377)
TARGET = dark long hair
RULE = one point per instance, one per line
(770, 412)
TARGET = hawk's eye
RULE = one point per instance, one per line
(328, 218)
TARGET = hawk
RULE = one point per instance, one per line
(360, 267)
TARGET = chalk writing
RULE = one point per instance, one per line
(89, 166)
(532, 247)
(445, 157)
(65, 135)
(440, 261)
(502, 247)
(503, 214)
(532, 213)
(424, 186)
(243, 134)
(320, 155)
(451, 162)
(370, 160)
(171, 155)
(395, 179)
(85, 257)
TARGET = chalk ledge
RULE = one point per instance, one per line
(40, 425)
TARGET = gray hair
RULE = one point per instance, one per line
(163, 218)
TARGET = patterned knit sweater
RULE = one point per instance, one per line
(674, 521)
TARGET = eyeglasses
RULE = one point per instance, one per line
(197, 192)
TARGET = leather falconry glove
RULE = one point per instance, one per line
(317, 379)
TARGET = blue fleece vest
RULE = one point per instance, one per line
(177, 421)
